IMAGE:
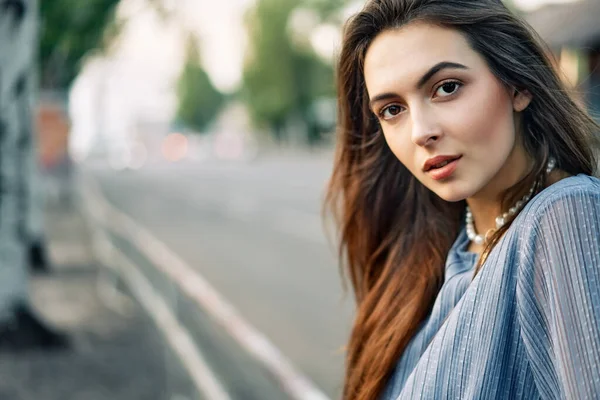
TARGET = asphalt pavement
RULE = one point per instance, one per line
(253, 232)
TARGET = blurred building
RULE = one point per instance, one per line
(52, 141)
(573, 33)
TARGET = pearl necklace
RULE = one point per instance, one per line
(501, 219)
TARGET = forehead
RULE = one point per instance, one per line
(398, 58)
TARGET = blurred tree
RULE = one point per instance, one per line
(314, 80)
(269, 84)
(199, 101)
(282, 79)
(69, 30)
(327, 9)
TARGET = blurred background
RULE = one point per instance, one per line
(173, 244)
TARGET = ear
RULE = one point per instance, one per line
(521, 99)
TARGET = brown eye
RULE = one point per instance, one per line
(390, 112)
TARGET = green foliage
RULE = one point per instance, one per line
(313, 80)
(280, 79)
(269, 87)
(69, 30)
(199, 101)
(326, 8)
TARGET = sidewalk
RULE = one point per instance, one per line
(116, 353)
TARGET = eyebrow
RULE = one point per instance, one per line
(426, 77)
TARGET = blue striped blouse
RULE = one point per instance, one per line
(528, 325)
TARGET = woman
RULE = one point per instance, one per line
(469, 212)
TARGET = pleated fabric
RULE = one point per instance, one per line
(528, 325)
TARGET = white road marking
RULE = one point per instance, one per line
(298, 386)
(178, 337)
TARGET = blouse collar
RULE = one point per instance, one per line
(459, 258)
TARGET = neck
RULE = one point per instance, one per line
(485, 205)
(552, 178)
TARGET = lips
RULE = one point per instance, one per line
(444, 172)
(438, 162)
(442, 164)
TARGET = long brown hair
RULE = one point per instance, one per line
(394, 233)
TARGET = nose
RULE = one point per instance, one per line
(425, 128)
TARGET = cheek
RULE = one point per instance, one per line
(487, 119)
(401, 145)
(393, 141)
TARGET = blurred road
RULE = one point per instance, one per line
(115, 350)
(253, 231)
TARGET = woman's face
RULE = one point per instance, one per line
(435, 96)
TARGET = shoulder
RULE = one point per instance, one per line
(559, 201)
(563, 218)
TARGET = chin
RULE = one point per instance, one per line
(451, 198)
(450, 192)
